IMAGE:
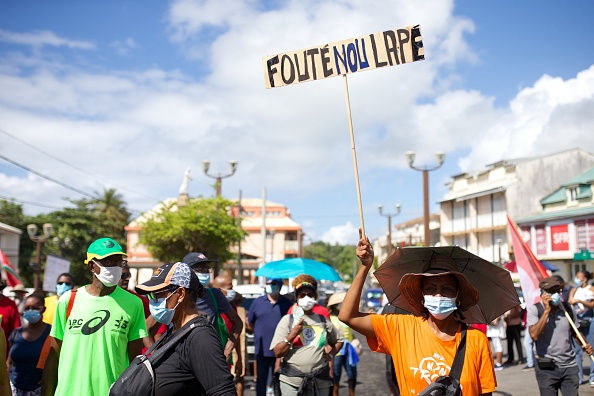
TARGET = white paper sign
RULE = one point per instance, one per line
(54, 267)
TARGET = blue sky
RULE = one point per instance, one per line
(133, 92)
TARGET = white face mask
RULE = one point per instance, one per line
(109, 276)
(306, 303)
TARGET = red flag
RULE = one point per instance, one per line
(531, 271)
(10, 273)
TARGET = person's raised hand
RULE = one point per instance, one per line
(546, 300)
(364, 250)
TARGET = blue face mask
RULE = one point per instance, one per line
(230, 294)
(32, 316)
(555, 298)
(203, 278)
(160, 312)
(440, 307)
(62, 288)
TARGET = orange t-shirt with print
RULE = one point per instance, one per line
(420, 356)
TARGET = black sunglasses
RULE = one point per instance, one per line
(65, 283)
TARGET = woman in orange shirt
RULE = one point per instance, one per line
(423, 345)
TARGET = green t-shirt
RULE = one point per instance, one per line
(95, 340)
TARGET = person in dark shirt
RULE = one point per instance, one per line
(25, 344)
(196, 365)
(263, 317)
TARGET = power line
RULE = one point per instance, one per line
(47, 177)
(29, 202)
(71, 165)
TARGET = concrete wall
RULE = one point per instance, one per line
(540, 177)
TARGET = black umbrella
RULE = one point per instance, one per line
(497, 292)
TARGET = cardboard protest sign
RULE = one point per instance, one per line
(387, 48)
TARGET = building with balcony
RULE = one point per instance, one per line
(473, 212)
(563, 232)
(274, 236)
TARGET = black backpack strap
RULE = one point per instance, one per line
(171, 342)
(456, 369)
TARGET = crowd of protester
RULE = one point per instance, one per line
(301, 346)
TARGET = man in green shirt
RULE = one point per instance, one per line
(97, 330)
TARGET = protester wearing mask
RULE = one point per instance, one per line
(556, 366)
(64, 283)
(263, 317)
(104, 332)
(214, 303)
(432, 334)
(317, 309)
(197, 364)
(306, 345)
(25, 345)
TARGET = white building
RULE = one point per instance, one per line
(10, 238)
(563, 232)
(408, 233)
(473, 212)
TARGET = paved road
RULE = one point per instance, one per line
(371, 379)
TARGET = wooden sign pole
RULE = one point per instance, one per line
(358, 186)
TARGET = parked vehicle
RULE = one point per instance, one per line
(373, 298)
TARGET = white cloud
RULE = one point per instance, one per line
(551, 116)
(346, 234)
(124, 47)
(43, 38)
(141, 128)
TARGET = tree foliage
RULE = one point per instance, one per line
(203, 225)
(74, 228)
(341, 257)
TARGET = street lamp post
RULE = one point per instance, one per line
(39, 240)
(440, 157)
(389, 216)
(219, 177)
(270, 234)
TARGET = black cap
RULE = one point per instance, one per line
(171, 274)
(194, 258)
(550, 283)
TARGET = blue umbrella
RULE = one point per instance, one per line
(549, 266)
(291, 267)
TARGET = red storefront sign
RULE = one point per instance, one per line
(560, 238)
(541, 239)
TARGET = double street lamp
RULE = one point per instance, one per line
(219, 177)
(39, 240)
(440, 157)
(389, 216)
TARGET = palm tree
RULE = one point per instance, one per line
(112, 205)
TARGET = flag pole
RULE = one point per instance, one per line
(578, 334)
(356, 169)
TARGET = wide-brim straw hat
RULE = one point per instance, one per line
(336, 298)
(410, 285)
